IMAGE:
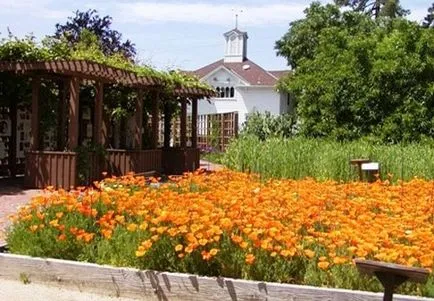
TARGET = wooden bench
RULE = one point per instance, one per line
(391, 275)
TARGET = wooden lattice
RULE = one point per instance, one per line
(216, 130)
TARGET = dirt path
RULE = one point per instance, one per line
(210, 166)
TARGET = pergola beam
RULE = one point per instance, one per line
(82, 69)
(88, 70)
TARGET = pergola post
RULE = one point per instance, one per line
(74, 91)
(194, 123)
(183, 123)
(155, 119)
(105, 127)
(61, 114)
(34, 133)
(13, 110)
(167, 124)
(98, 135)
(138, 141)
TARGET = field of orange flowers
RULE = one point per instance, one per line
(231, 224)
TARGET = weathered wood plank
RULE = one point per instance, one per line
(149, 285)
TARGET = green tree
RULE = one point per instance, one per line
(110, 40)
(375, 8)
(365, 77)
(429, 19)
(301, 41)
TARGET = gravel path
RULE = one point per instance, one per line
(11, 198)
(17, 291)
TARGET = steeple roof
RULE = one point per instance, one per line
(235, 30)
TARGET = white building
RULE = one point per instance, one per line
(244, 86)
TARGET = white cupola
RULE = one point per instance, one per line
(236, 46)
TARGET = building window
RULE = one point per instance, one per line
(225, 92)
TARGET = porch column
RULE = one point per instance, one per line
(138, 143)
(34, 132)
(98, 135)
(74, 91)
(155, 119)
(194, 123)
(167, 124)
(183, 123)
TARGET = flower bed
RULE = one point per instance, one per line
(230, 224)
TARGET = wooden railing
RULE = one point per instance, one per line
(120, 162)
(59, 169)
(178, 160)
(44, 168)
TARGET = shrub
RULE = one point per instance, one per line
(265, 125)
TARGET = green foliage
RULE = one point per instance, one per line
(299, 158)
(24, 278)
(302, 39)
(44, 242)
(89, 48)
(265, 125)
(215, 134)
(85, 156)
(119, 101)
(429, 19)
(361, 77)
(110, 39)
(376, 8)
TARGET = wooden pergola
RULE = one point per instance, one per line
(59, 168)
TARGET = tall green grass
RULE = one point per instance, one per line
(298, 158)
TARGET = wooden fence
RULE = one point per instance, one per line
(150, 285)
(214, 131)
